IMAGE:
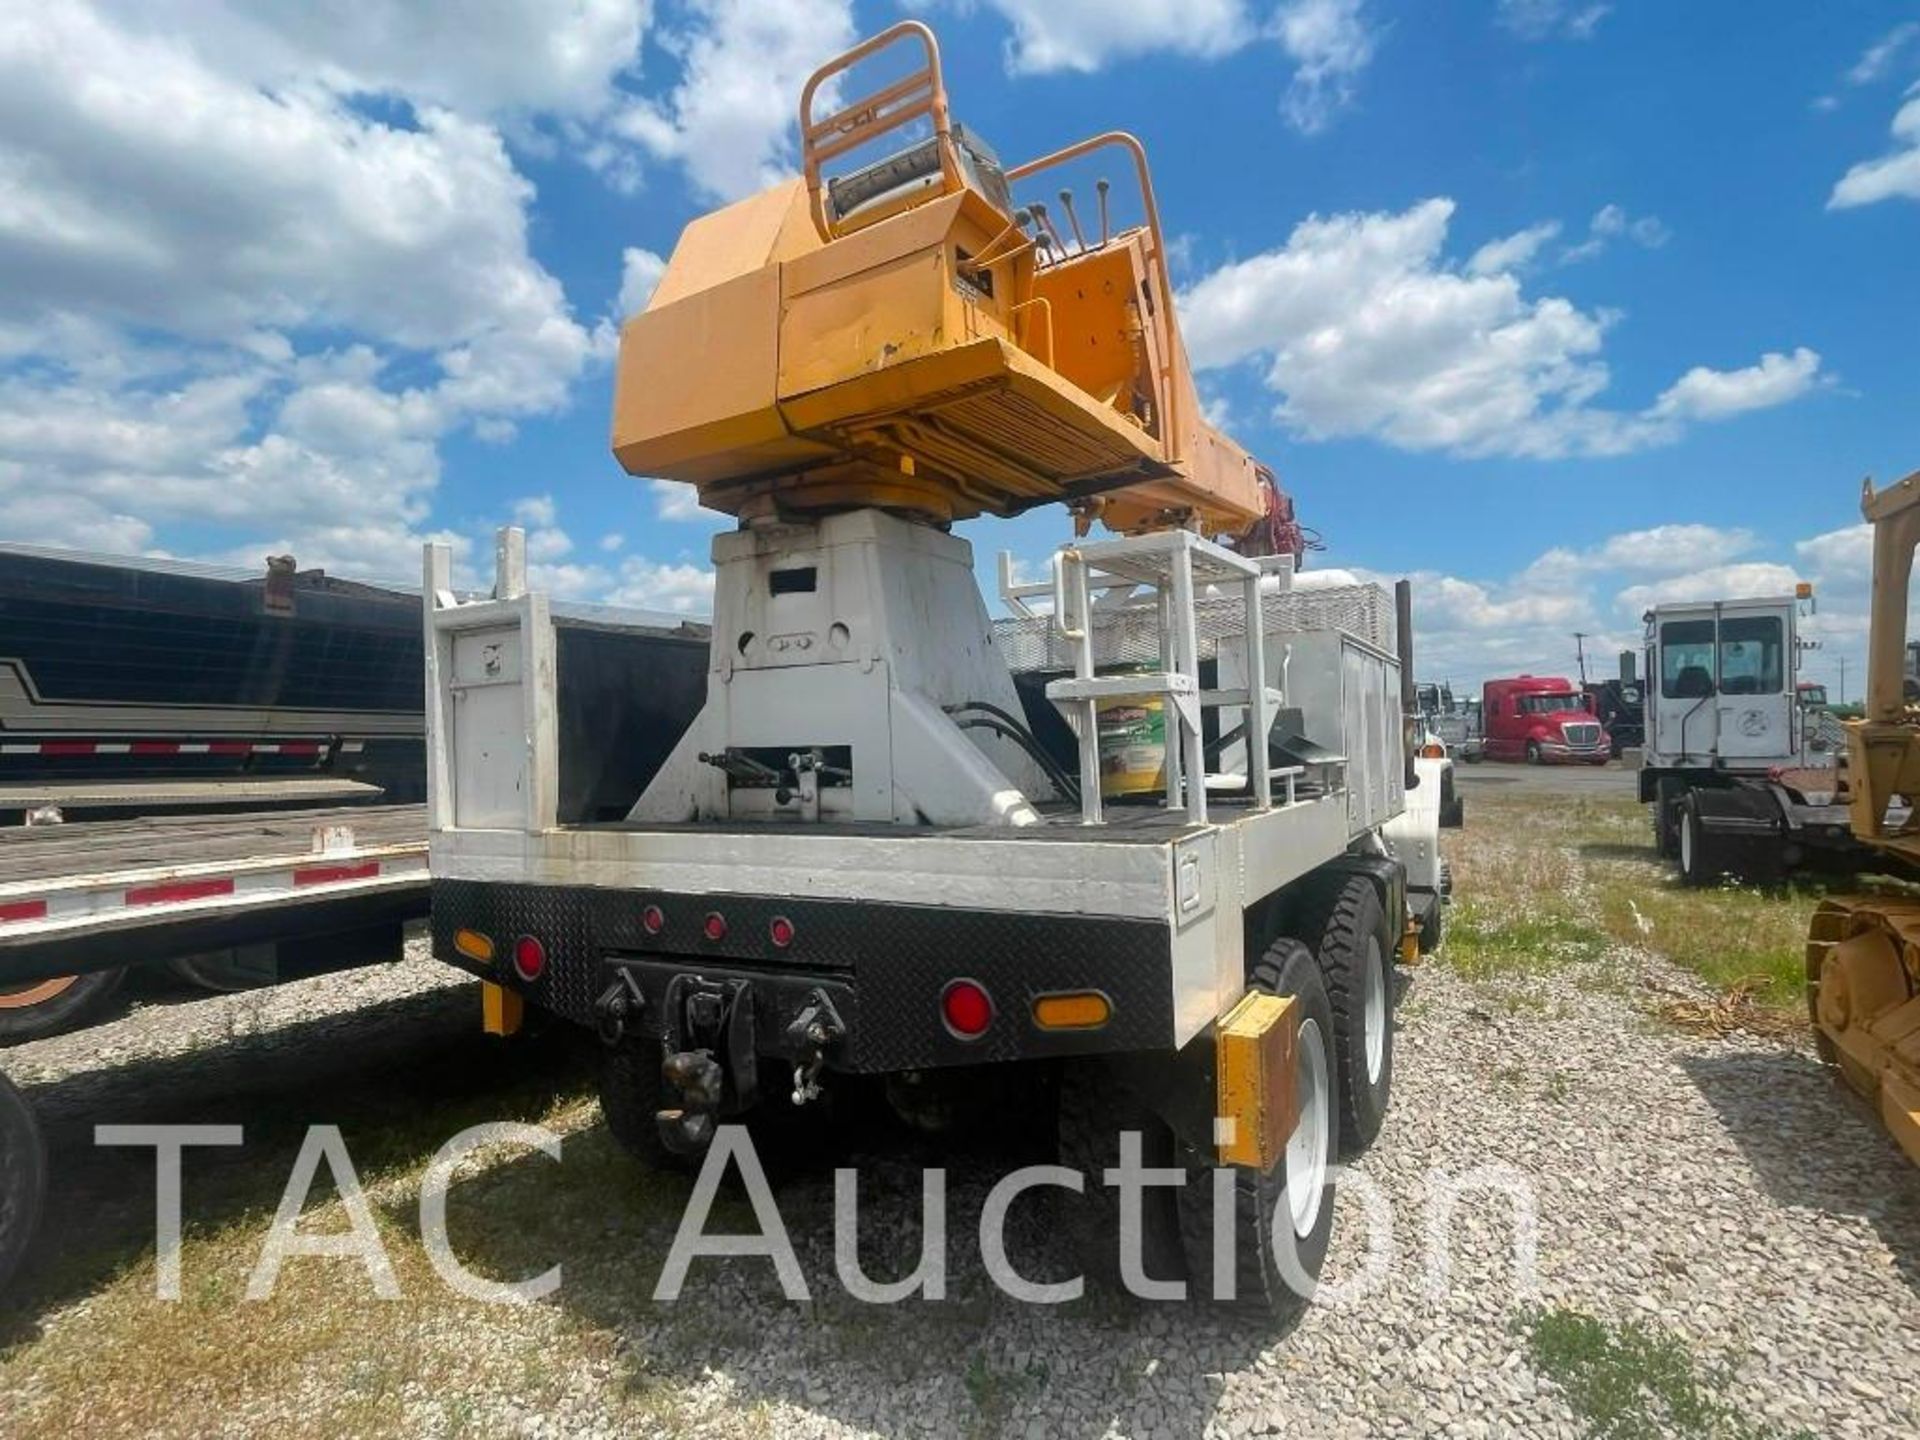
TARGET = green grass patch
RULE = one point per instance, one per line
(1732, 938)
(1629, 1381)
(1490, 940)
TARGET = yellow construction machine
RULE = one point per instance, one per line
(1863, 951)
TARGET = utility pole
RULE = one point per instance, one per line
(1580, 650)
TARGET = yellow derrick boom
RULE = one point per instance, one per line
(903, 338)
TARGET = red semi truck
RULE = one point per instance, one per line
(1543, 720)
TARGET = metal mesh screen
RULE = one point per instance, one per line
(1131, 635)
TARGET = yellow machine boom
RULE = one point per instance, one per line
(904, 337)
(1863, 952)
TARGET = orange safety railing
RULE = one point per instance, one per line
(854, 125)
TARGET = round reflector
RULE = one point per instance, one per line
(653, 919)
(529, 958)
(780, 931)
(715, 926)
(967, 1009)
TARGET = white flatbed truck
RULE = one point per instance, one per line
(861, 860)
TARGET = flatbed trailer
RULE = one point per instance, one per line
(300, 892)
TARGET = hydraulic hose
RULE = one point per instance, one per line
(993, 718)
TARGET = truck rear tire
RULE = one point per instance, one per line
(23, 1180)
(1094, 1111)
(1292, 1204)
(1702, 855)
(631, 1093)
(39, 1008)
(1433, 926)
(1666, 842)
(1346, 926)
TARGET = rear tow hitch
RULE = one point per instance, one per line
(687, 1128)
(814, 1031)
(707, 1049)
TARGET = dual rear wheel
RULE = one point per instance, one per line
(1236, 1235)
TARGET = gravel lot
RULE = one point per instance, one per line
(1721, 1189)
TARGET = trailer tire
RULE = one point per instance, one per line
(1346, 926)
(23, 1180)
(1094, 1111)
(1264, 1211)
(221, 971)
(40, 1008)
(630, 1099)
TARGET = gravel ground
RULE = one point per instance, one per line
(1723, 1189)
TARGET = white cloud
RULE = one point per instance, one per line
(676, 500)
(1612, 222)
(1878, 58)
(33, 516)
(684, 589)
(1895, 175)
(1330, 43)
(1469, 629)
(1366, 329)
(1704, 394)
(1839, 556)
(640, 271)
(730, 119)
(1656, 550)
(1512, 252)
(180, 217)
(1549, 19)
(1086, 35)
(612, 541)
(1751, 579)
(494, 57)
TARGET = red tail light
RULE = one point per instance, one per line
(715, 926)
(780, 931)
(529, 958)
(967, 1009)
(653, 920)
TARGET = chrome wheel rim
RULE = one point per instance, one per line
(1375, 1010)
(1307, 1147)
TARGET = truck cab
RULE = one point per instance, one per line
(1721, 684)
(1541, 719)
(1740, 764)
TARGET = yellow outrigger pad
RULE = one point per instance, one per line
(1255, 1099)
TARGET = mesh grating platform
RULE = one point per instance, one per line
(1131, 636)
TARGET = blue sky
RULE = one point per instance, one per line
(1558, 307)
